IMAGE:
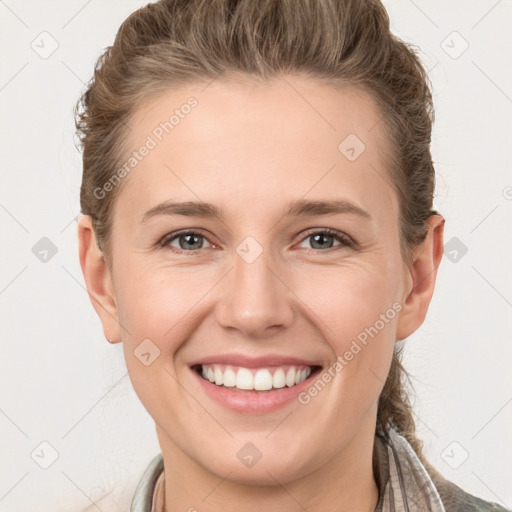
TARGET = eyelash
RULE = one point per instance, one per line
(345, 240)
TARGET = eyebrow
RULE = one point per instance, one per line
(297, 208)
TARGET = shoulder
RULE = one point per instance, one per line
(456, 499)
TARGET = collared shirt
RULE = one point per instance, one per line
(404, 483)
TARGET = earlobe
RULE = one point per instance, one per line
(98, 279)
(423, 271)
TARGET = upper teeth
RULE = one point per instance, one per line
(260, 380)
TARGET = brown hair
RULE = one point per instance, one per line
(344, 42)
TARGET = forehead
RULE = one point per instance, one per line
(273, 105)
(287, 136)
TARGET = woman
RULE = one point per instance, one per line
(224, 142)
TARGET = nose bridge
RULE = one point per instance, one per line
(256, 297)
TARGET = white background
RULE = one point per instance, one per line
(62, 383)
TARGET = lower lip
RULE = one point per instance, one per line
(252, 401)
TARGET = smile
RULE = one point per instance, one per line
(250, 389)
(257, 379)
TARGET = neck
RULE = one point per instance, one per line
(346, 479)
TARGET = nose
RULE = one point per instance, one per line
(256, 300)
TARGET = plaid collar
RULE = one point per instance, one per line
(404, 483)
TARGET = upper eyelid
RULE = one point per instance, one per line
(175, 234)
(340, 235)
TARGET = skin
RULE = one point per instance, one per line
(251, 148)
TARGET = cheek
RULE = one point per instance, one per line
(158, 303)
(358, 312)
(157, 309)
(351, 298)
(358, 321)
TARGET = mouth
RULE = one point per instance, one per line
(256, 380)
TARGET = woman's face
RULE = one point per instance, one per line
(262, 285)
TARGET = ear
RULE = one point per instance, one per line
(98, 279)
(422, 274)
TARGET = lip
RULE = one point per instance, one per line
(254, 362)
(250, 401)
